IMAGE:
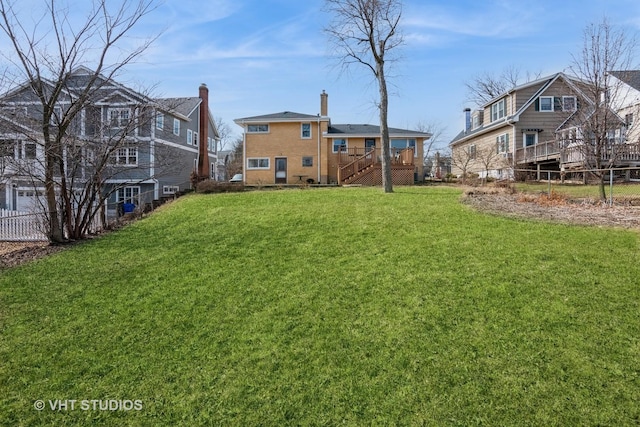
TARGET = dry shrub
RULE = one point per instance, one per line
(553, 199)
(210, 186)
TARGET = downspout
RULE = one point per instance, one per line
(244, 153)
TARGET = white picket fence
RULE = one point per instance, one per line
(21, 226)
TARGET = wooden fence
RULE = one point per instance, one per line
(21, 226)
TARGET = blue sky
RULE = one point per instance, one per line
(265, 56)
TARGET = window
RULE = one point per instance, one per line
(189, 137)
(128, 195)
(502, 143)
(26, 150)
(339, 144)
(305, 130)
(307, 161)
(170, 189)
(195, 138)
(159, 121)
(628, 120)
(530, 139)
(176, 127)
(568, 103)
(401, 144)
(258, 128)
(6, 147)
(125, 156)
(497, 110)
(472, 152)
(546, 103)
(209, 144)
(56, 117)
(258, 163)
(119, 117)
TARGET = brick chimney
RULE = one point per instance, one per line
(324, 104)
(203, 133)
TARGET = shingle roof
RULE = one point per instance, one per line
(351, 129)
(630, 77)
(182, 106)
(285, 115)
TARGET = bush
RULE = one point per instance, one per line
(209, 186)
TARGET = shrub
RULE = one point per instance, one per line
(210, 186)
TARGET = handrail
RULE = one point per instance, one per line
(365, 157)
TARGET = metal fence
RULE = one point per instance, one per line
(621, 185)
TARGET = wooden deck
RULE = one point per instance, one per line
(364, 166)
(550, 151)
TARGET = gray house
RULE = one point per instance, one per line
(165, 141)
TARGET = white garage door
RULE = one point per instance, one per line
(27, 200)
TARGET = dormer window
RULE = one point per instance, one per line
(497, 110)
(546, 103)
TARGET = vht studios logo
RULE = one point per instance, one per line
(89, 405)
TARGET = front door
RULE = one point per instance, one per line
(369, 144)
(281, 170)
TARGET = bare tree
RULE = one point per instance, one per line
(599, 130)
(47, 64)
(364, 32)
(462, 158)
(488, 157)
(224, 131)
(436, 130)
(484, 87)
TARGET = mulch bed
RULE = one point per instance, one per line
(554, 209)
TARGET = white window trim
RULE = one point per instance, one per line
(129, 153)
(170, 189)
(575, 103)
(135, 197)
(333, 146)
(189, 137)
(302, 131)
(502, 141)
(259, 167)
(195, 138)
(119, 119)
(524, 138)
(176, 127)
(160, 121)
(258, 131)
(504, 110)
(540, 104)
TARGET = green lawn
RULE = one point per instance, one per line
(326, 307)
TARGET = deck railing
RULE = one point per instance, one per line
(550, 150)
(351, 161)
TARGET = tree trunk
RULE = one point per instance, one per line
(387, 181)
(55, 229)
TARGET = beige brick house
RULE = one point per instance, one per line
(295, 148)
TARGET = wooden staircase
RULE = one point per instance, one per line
(364, 166)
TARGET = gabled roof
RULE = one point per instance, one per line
(279, 117)
(351, 130)
(183, 106)
(630, 77)
(515, 117)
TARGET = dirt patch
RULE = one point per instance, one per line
(16, 253)
(554, 208)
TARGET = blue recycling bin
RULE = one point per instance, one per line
(128, 207)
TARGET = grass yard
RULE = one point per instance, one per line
(325, 307)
